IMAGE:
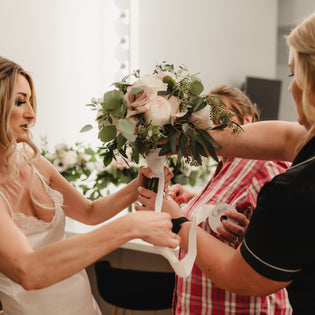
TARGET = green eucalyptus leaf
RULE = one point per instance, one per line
(198, 103)
(112, 100)
(192, 142)
(170, 82)
(120, 111)
(123, 153)
(166, 148)
(107, 134)
(88, 151)
(173, 141)
(162, 93)
(196, 87)
(212, 153)
(121, 140)
(182, 142)
(107, 159)
(201, 151)
(86, 128)
(127, 128)
(206, 136)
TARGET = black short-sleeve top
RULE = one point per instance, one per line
(280, 240)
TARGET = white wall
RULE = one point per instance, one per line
(61, 43)
(223, 40)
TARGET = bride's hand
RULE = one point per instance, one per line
(146, 201)
(154, 228)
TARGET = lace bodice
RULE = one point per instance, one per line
(30, 224)
(71, 296)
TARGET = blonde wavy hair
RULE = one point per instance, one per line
(9, 71)
(241, 104)
(301, 40)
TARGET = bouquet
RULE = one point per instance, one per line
(164, 111)
(156, 115)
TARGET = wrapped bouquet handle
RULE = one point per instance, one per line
(182, 267)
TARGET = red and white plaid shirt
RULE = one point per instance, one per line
(237, 183)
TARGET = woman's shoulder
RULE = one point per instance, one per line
(43, 166)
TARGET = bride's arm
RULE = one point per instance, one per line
(81, 209)
(264, 140)
(35, 269)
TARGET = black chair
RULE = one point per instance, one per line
(134, 289)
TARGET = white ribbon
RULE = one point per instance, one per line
(181, 267)
(184, 266)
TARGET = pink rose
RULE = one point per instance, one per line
(159, 111)
(137, 103)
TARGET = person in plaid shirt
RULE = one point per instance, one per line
(235, 182)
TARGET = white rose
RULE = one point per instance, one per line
(159, 111)
(70, 158)
(201, 118)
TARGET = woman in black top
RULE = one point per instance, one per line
(278, 249)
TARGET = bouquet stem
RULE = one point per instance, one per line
(156, 163)
(152, 183)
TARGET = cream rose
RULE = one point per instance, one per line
(138, 103)
(201, 118)
(159, 111)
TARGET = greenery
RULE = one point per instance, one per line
(128, 117)
(82, 166)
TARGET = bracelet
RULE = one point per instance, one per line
(177, 224)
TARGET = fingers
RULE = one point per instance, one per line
(158, 229)
(177, 189)
(239, 217)
(231, 231)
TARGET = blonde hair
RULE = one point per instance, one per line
(9, 71)
(302, 43)
(241, 104)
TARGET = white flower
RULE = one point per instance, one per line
(70, 158)
(201, 118)
(159, 111)
(60, 165)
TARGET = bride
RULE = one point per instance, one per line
(41, 272)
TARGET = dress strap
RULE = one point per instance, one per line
(7, 201)
(41, 177)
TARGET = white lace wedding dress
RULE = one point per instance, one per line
(69, 297)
